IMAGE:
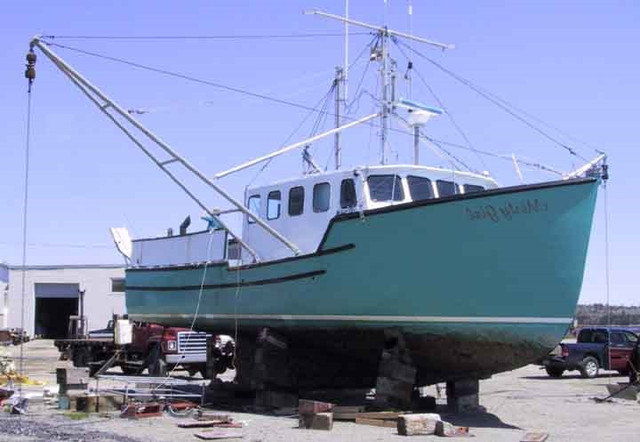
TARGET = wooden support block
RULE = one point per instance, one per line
(389, 423)
(137, 411)
(445, 429)
(317, 421)
(306, 406)
(418, 424)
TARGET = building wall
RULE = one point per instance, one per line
(100, 303)
(4, 287)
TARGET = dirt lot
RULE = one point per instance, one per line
(516, 402)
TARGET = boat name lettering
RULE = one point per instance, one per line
(497, 213)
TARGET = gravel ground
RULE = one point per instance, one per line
(515, 402)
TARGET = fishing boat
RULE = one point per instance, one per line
(476, 278)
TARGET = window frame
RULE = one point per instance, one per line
(355, 194)
(456, 191)
(481, 188)
(259, 198)
(124, 286)
(279, 199)
(396, 178)
(313, 205)
(295, 188)
(431, 192)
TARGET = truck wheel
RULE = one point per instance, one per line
(157, 365)
(131, 371)
(554, 372)
(81, 357)
(590, 367)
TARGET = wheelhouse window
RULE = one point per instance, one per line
(321, 197)
(419, 188)
(296, 201)
(254, 206)
(470, 188)
(348, 196)
(117, 285)
(274, 203)
(446, 188)
(385, 188)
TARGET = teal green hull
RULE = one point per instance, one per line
(477, 283)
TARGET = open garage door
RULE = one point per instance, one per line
(55, 302)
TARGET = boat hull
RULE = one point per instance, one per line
(476, 284)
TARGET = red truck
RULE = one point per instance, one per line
(154, 347)
(596, 348)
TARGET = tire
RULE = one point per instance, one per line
(157, 365)
(554, 372)
(590, 367)
(81, 357)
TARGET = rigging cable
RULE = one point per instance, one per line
(30, 74)
(502, 104)
(441, 104)
(244, 92)
(606, 268)
(201, 37)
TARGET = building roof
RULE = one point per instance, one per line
(64, 266)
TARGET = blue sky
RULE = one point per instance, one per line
(572, 63)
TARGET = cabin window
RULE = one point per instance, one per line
(117, 285)
(446, 188)
(385, 188)
(233, 249)
(273, 204)
(419, 188)
(254, 206)
(348, 197)
(470, 188)
(631, 338)
(296, 201)
(321, 197)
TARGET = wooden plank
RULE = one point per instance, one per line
(389, 423)
(535, 436)
(381, 414)
(220, 434)
(209, 424)
(345, 413)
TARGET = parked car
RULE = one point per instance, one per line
(596, 348)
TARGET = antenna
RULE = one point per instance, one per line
(387, 69)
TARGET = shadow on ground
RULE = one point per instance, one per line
(479, 419)
(574, 376)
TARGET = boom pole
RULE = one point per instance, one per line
(105, 104)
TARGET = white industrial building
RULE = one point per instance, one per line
(54, 293)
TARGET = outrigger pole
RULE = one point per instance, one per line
(105, 104)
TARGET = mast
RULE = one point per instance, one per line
(387, 73)
(339, 80)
